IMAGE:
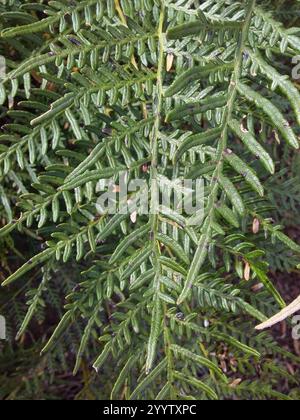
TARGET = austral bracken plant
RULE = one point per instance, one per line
(172, 89)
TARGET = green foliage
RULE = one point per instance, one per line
(153, 88)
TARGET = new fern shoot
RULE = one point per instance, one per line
(159, 91)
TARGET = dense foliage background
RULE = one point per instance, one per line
(24, 372)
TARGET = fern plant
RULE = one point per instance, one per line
(157, 89)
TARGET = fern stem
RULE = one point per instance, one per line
(157, 309)
(232, 94)
(43, 24)
(155, 135)
(201, 251)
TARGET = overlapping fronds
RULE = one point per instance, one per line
(153, 89)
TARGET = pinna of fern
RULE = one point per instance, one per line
(154, 88)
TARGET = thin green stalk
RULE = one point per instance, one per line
(201, 252)
(157, 307)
